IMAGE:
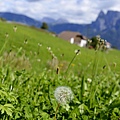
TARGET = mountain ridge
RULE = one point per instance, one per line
(106, 25)
(20, 18)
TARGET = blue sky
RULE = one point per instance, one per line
(75, 11)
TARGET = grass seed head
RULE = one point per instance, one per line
(25, 41)
(77, 52)
(6, 35)
(15, 28)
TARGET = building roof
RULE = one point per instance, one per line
(67, 35)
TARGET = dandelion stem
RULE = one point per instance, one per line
(72, 60)
(56, 110)
(3, 46)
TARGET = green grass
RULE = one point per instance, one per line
(27, 86)
(85, 60)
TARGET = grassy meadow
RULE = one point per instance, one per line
(34, 62)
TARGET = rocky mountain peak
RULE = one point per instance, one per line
(112, 17)
(101, 14)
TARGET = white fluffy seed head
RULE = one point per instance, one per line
(63, 95)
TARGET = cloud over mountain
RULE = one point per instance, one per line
(33, 0)
(76, 11)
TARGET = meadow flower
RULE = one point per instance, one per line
(6, 35)
(89, 41)
(89, 80)
(38, 60)
(39, 44)
(35, 53)
(25, 41)
(48, 48)
(73, 64)
(114, 64)
(77, 52)
(63, 95)
(62, 54)
(31, 52)
(15, 28)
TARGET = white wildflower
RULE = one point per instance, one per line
(89, 41)
(77, 52)
(6, 35)
(89, 80)
(48, 48)
(15, 28)
(39, 44)
(38, 60)
(25, 41)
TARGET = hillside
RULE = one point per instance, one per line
(33, 45)
(41, 77)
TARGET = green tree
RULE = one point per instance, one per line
(94, 42)
(44, 26)
(2, 19)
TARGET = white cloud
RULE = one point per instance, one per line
(33, 0)
(77, 11)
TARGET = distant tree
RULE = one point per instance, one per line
(94, 42)
(114, 47)
(44, 26)
(98, 43)
(2, 19)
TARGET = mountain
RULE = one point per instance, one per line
(106, 25)
(20, 18)
(48, 20)
(29, 21)
(52, 21)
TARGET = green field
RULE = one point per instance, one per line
(33, 63)
(33, 52)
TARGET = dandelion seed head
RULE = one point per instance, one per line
(63, 95)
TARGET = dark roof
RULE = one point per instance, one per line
(67, 35)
